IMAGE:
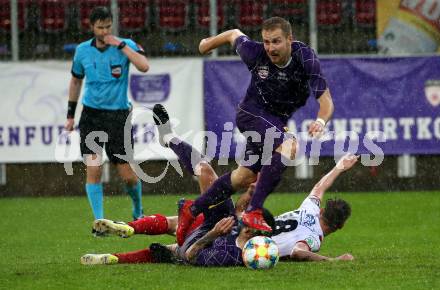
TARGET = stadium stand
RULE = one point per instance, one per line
(134, 15)
(289, 9)
(171, 27)
(365, 12)
(329, 12)
(5, 15)
(172, 14)
(250, 14)
(203, 17)
(53, 15)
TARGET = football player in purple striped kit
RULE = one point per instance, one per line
(284, 73)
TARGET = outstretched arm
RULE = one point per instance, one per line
(345, 163)
(301, 252)
(325, 112)
(326, 106)
(208, 44)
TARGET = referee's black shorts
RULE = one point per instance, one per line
(106, 129)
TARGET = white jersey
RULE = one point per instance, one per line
(301, 225)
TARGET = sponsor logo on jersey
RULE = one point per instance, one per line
(116, 71)
(263, 71)
(217, 204)
(282, 76)
(312, 243)
(309, 220)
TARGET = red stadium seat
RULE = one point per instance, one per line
(5, 15)
(365, 12)
(250, 13)
(53, 15)
(133, 14)
(203, 13)
(289, 9)
(172, 14)
(329, 12)
(85, 7)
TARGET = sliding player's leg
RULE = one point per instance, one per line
(188, 156)
(156, 253)
(155, 224)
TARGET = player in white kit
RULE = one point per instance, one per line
(299, 233)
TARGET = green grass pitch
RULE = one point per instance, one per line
(395, 238)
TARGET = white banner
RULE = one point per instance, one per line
(34, 102)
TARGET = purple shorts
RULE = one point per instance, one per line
(264, 133)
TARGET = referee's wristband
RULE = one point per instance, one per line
(71, 107)
(320, 121)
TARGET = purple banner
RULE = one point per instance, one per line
(387, 103)
(154, 88)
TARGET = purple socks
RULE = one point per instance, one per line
(270, 176)
(219, 191)
(188, 156)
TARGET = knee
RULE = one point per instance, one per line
(172, 224)
(242, 184)
(130, 180)
(93, 174)
(288, 149)
(242, 179)
(204, 169)
(127, 174)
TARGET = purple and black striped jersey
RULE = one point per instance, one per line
(280, 90)
(222, 252)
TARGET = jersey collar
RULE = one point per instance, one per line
(93, 43)
(284, 66)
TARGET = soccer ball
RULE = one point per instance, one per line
(260, 253)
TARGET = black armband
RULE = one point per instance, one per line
(122, 45)
(71, 107)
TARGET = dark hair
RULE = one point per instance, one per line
(336, 212)
(161, 254)
(100, 13)
(278, 22)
